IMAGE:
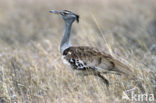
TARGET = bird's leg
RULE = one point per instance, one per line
(104, 79)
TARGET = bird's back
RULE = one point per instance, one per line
(88, 58)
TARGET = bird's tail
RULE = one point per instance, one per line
(124, 69)
(127, 72)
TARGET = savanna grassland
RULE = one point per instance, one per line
(31, 70)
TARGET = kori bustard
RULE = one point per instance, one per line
(86, 59)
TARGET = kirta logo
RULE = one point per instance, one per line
(133, 96)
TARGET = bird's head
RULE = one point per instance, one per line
(68, 16)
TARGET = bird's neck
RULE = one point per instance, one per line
(65, 39)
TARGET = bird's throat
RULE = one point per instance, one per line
(66, 36)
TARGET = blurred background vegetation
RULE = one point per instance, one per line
(31, 70)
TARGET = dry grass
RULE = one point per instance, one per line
(31, 70)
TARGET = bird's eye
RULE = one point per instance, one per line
(65, 13)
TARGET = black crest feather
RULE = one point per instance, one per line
(77, 18)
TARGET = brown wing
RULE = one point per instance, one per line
(95, 59)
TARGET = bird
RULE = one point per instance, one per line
(85, 59)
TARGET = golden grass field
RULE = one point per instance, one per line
(31, 70)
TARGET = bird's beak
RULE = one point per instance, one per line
(54, 12)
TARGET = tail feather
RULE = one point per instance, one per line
(125, 70)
